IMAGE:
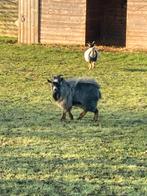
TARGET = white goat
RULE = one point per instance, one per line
(91, 55)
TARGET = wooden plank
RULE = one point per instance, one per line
(63, 21)
(136, 35)
(8, 16)
(36, 22)
(63, 41)
(28, 21)
(25, 22)
(21, 22)
(32, 21)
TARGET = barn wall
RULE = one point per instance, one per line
(8, 17)
(137, 24)
(62, 21)
(106, 21)
(28, 21)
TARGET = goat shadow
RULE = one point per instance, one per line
(41, 122)
(135, 69)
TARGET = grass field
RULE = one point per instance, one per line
(41, 155)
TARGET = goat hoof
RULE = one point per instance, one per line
(63, 119)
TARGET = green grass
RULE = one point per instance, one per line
(41, 155)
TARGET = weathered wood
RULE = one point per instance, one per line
(8, 17)
(28, 21)
(62, 21)
(136, 35)
(113, 22)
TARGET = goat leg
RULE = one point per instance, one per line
(70, 115)
(93, 65)
(63, 117)
(96, 115)
(82, 115)
(90, 66)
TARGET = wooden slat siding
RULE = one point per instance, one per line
(62, 21)
(25, 5)
(106, 22)
(36, 26)
(136, 36)
(8, 17)
(32, 23)
(19, 22)
(29, 11)
(29, 22)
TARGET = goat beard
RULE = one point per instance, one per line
(56, 96)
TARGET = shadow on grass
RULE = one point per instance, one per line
(91, 180)
(94, 159)
(8, 40)
(135, 69)
(47, 118)
(62, 188)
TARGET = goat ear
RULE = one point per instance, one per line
(93, 43)
(88, 44)
(49, 81)
(61, 77)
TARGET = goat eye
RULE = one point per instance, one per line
(56, 84)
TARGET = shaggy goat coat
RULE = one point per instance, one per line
(83, 93)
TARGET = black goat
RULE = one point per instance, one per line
(83, 93)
